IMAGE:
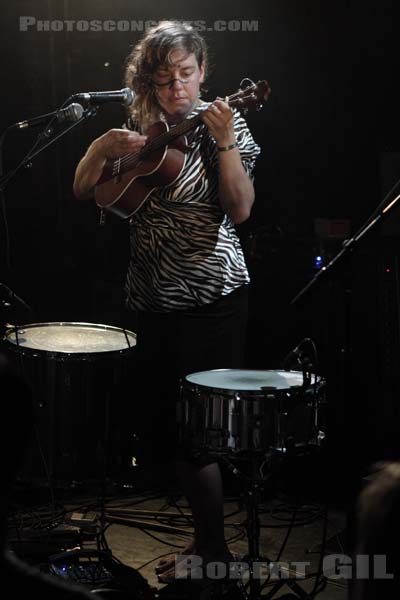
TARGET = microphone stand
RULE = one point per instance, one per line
(391, 200)
(44, 135)
(379, 214)
(342, 382)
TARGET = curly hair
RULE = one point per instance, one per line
(152, 51)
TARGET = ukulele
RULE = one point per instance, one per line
(128, 181)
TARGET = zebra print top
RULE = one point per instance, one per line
(184, 250)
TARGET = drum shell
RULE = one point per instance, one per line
(82, 411)
(233, 421)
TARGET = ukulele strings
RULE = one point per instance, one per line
(128, 160)
(160, 141)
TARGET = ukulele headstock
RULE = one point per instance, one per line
(253, 95)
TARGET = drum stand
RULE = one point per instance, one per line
(253, 485)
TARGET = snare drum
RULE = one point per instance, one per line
(232, 411)
(79, 373)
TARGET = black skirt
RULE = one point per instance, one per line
(169, 347)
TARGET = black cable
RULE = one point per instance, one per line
(45, 466)
(158, 539)
(282, 548)
(101, 539)
(289, 531)
(322, 586)
(286, 508)
(25, 376)
(232, 514)
(153, 560)
(240, 536)
(6, 230)
(298, 522)
(174, 504)
(156, 496)
(175, 546)
(320, 577)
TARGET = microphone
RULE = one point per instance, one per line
(125, 96)
(294, 357)
(72, 113)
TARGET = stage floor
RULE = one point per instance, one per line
(139, 521)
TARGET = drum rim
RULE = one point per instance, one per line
(68, 324)
(253, 393)
(61, 353)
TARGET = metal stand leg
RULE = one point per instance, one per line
(252, 494)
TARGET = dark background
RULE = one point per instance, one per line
(330, 138)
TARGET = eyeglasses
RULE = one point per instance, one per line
(170, 82)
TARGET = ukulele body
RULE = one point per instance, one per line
(124, 193)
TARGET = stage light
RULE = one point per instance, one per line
(318, 261)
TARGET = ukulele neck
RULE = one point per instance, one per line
(174, 132)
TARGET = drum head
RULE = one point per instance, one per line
(71, 338)
(246, 380)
